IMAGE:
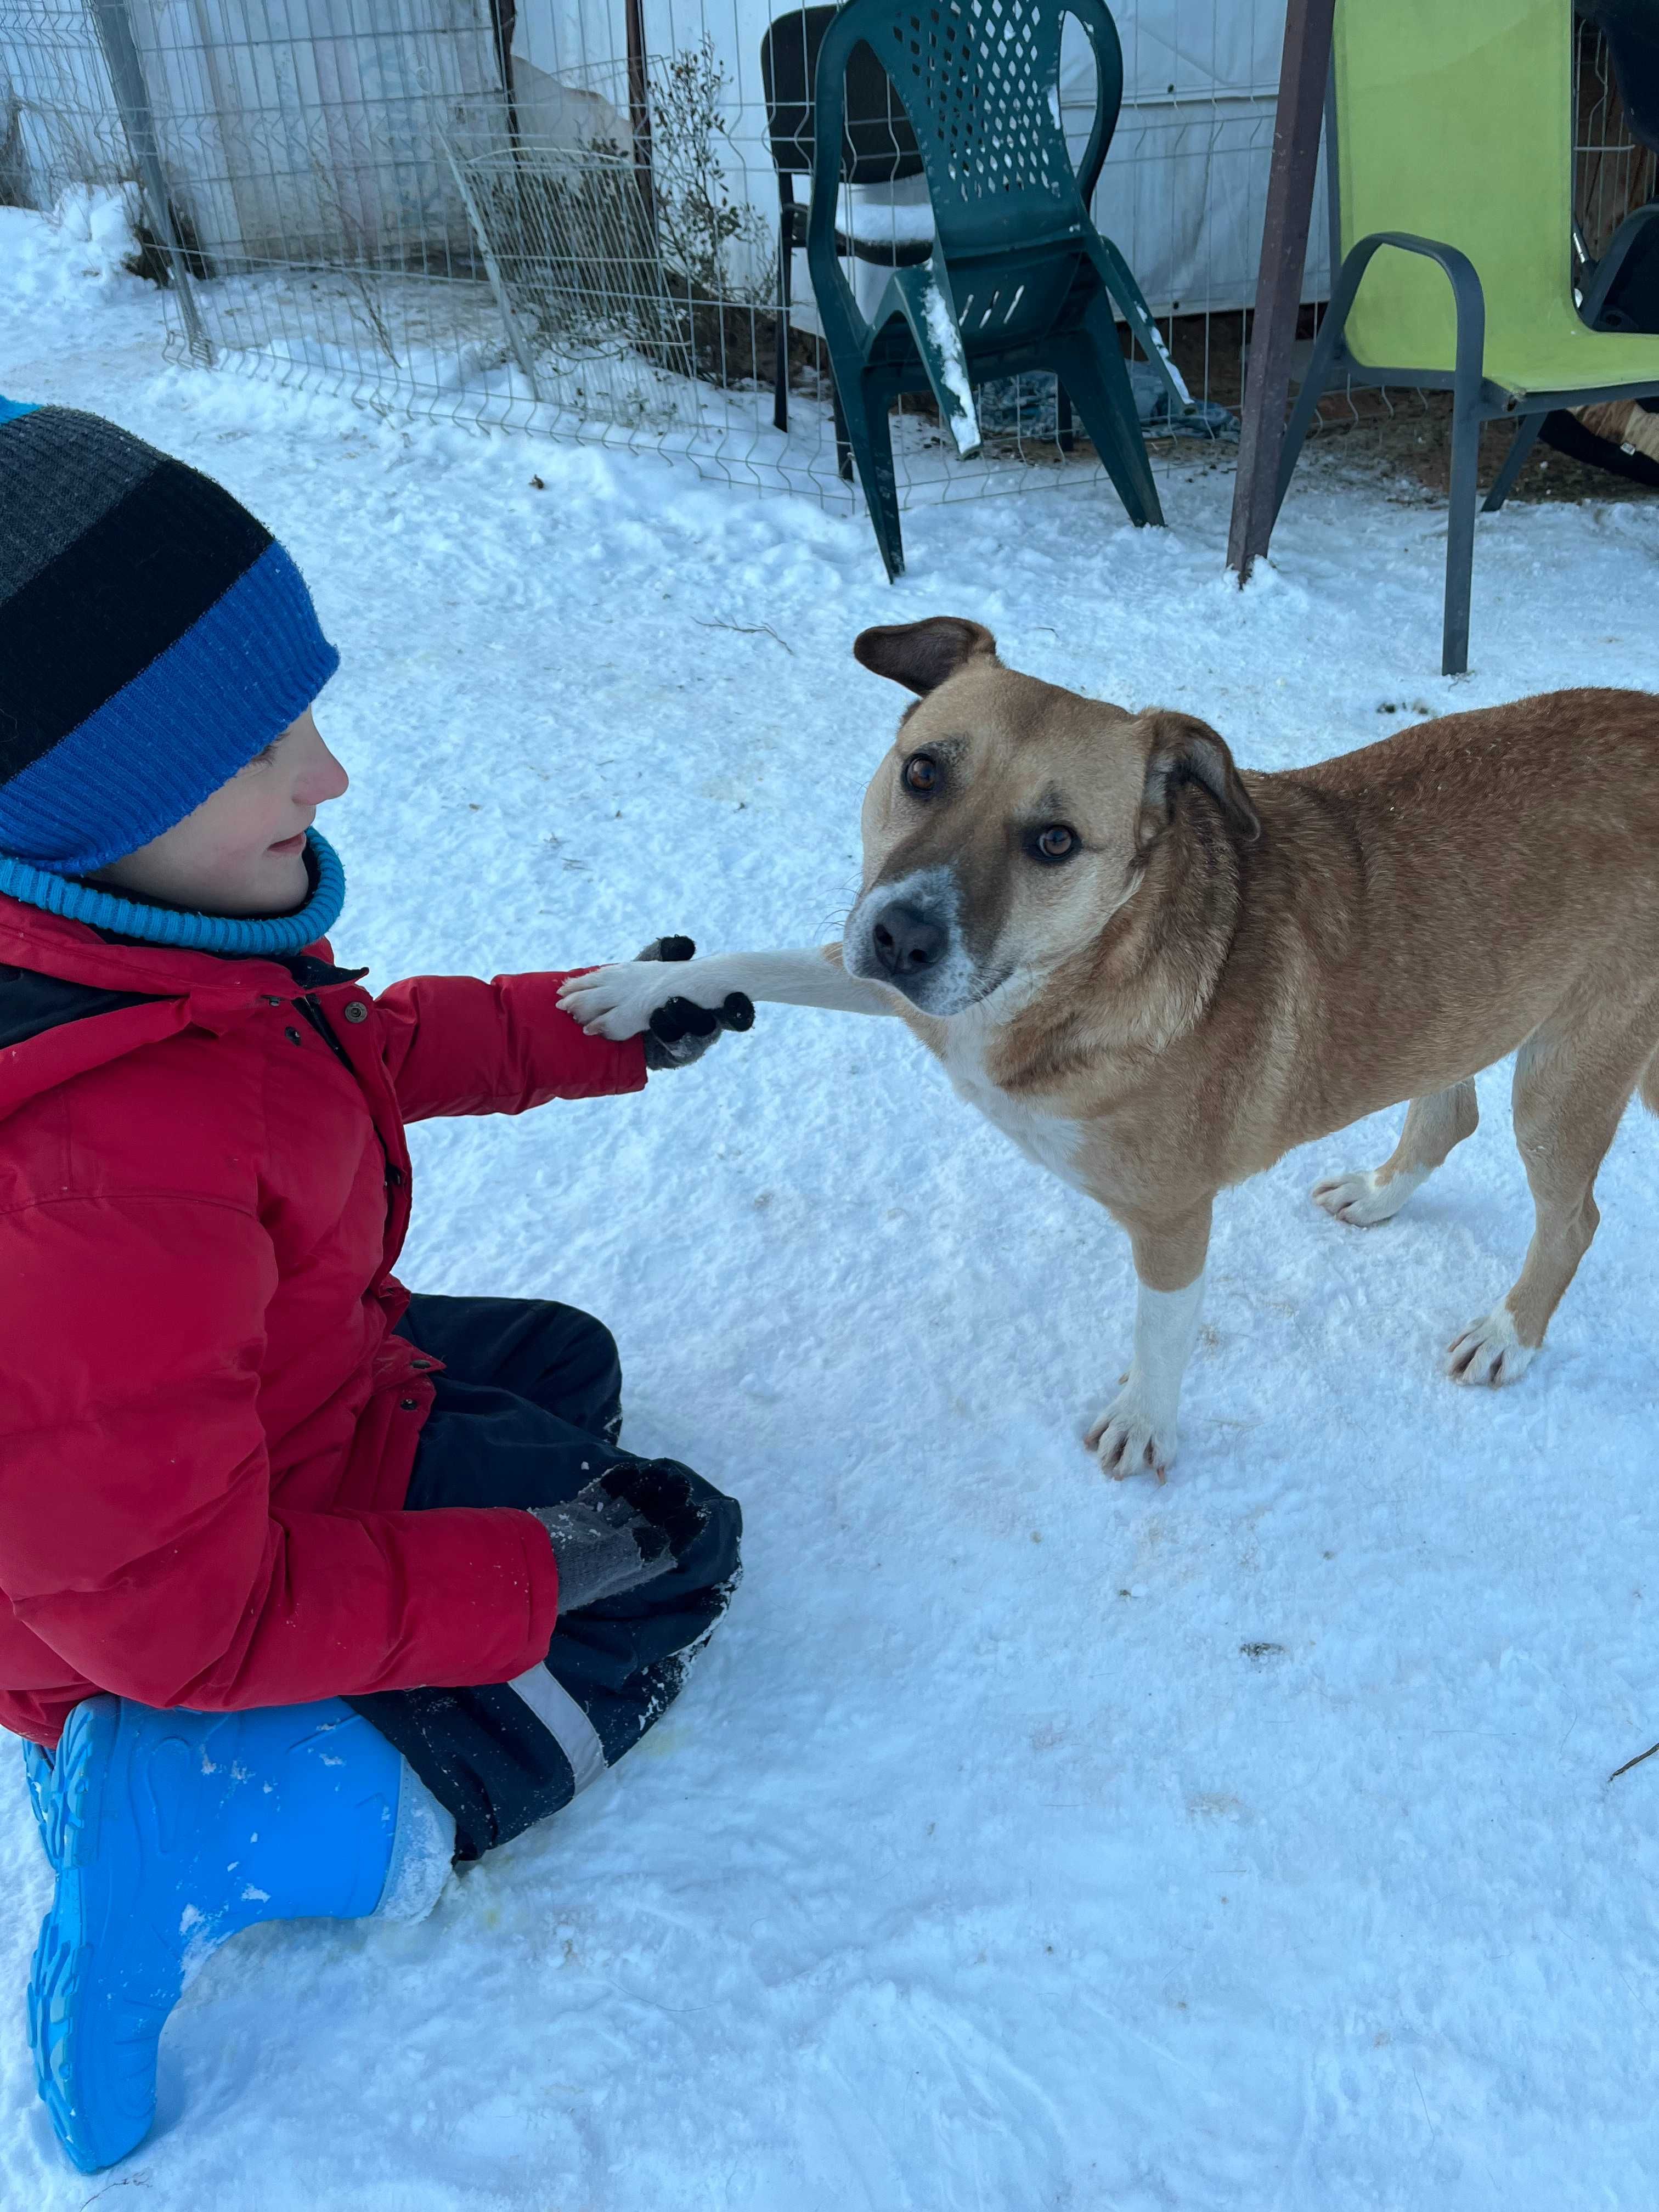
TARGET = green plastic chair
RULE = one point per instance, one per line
(1018, 279)
(1451, 194)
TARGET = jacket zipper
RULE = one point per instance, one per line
(314, 1013)
(311, 1008)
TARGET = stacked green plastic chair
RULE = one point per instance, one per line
(1019, 279)
(1451, 122)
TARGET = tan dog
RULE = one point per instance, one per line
(1158, 976)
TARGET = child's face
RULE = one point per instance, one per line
(243, 850)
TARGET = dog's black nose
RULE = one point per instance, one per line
(907, 941)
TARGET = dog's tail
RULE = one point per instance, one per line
(1650, 1085)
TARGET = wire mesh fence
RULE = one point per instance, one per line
(572, 220)
(59, 125)
(1616, 174)
(585, 217)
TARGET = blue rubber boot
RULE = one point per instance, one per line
(170, 1831)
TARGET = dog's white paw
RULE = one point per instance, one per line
(1490, 1352)
(1362, 1200)
(618, 1001)
(1132, 1437)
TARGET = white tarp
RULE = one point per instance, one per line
(1184, 184)
(288, 128)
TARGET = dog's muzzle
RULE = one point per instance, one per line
(906, 933)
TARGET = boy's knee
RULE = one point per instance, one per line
(571, 1367)
(587, 1357)
(596, 1348)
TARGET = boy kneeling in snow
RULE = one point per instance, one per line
(282, 1548)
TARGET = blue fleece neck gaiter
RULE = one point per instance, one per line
(247, 934)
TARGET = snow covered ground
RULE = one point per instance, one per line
(1023, 1840)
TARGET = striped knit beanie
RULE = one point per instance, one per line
(154, 638)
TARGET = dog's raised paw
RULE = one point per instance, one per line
(1127, 1439)
(618, 1001)
(1489, 1351)
(1361, 1199)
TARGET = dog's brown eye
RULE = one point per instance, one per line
(1057, 842)
(921, 774)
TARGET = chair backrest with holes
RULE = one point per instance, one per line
(980, 80)
(878, 147)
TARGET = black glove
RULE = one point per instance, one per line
(681, 1031)
(604, 1544)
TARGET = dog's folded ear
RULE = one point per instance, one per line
(1182, 750)
(921, 655)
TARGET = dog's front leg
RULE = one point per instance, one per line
(618, 1001)
(1136, 1434)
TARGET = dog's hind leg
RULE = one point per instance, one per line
(1572, 1084)
(1433, 1126)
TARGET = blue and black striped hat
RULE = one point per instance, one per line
(154, 638)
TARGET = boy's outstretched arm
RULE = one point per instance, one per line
(454, 1045)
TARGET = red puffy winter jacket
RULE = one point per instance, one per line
(207, 1427)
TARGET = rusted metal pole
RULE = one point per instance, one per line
(504, 18)
(639, 108)
(126, 73)
(1303, 77)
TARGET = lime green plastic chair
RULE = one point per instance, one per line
(1451, 191)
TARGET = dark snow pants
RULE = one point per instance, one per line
(528, 1409)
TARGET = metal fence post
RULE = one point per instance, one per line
(1302, 80)
(638, 107)
(126, 72)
